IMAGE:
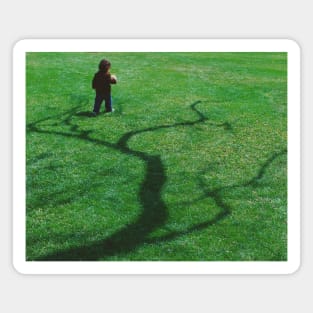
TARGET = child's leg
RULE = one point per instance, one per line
(97, 105)
(108, 103)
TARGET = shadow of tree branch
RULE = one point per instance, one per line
(216, 195)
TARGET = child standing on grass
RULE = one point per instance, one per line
(102, 84)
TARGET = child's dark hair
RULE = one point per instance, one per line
(104, 65)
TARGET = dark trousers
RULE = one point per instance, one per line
(98, 101)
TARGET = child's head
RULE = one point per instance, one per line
(104, 65)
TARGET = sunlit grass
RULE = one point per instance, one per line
(190, 166)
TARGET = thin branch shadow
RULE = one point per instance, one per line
(216, 195)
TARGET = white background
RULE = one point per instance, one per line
(158, 19)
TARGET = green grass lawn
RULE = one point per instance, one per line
(192, 165)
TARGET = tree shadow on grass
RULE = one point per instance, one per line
(154, 211)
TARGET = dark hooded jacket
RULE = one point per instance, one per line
(102, 83)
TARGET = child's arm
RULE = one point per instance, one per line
(113, 79)
(94, 84)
